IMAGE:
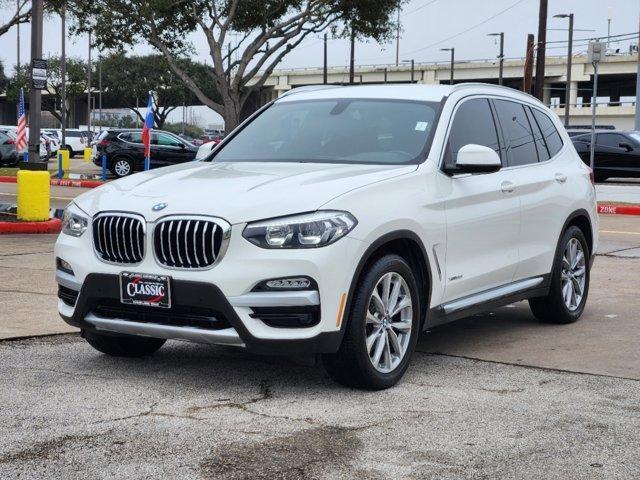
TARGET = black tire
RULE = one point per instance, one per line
(123, 345)
(351, 365)
(552, 308)
(117, 171)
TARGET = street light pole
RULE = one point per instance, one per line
(637, 119)
(398, 38)
(453, 61)
(352, 58)
(324, 69)
(35, 98)
(500, 57)
(63, 69)
(100, 90)
(89, 85)
(567, 94)
(412, 62)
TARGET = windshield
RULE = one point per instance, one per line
(335, 131)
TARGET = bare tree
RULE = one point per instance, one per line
(22, 14)
(268, 30)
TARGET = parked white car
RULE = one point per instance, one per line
(75, 140)
(340, 221)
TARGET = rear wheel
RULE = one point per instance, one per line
(569, 281)
(382, 328)
(123, 345)
(122, 167)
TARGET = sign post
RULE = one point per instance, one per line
(595, 55)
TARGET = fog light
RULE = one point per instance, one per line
(289, 283)
(64, 266)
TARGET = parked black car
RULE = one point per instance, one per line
(617, 154)
(125, 151)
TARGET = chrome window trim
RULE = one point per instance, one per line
(135, 216)
(218, 223)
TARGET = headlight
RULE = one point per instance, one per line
(73, 222)
(308, 230)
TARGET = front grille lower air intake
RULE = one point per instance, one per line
(119, 237)
(190, 241)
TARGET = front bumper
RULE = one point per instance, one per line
(226, 290)
(99, 289)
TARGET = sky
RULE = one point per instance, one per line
(427, 26)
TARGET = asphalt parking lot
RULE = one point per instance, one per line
(494, 396)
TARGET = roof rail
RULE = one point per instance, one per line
(461, 86)
(308, 88)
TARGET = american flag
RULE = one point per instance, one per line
(21, 141)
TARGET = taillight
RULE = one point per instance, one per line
(9, 141)
(103, 143)
(592, 177)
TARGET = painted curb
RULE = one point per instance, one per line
(61, 182)
(619, 209)
(49, 226)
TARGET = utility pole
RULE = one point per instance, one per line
(324, 68)
(398, 38)
(100, 90)
(567, 92)
(63, 68)
(89, 86)
(35, 98)
(528, 65)
(595, 54)
(18, 38)
(540, 57)
(609, 17)
(637, 119)
(352, 58)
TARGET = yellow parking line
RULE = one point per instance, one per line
(621, 233)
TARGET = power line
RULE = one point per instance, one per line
(419, 8)
(596, 38)
(468, 29)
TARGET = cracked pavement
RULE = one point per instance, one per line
(200, 412)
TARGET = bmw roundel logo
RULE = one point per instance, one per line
(159, 206)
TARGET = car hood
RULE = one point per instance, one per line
(238, 192)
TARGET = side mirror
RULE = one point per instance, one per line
(626, 146)
(477, 159)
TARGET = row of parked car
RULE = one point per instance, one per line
(50, 143)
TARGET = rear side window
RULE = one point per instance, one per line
(473, 123)
(133, 137)
(549, 132)
(541, 145)
(611, 140)
(521, 148)
(73, 134)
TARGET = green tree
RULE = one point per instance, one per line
(52, 96)
(127, 80)
(268, 30)
(20, 13)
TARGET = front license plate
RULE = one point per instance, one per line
(144, 289)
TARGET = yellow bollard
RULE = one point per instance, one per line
(33, 195)
(87, 154)
(66, 162)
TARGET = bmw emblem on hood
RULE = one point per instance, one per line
(159, 206)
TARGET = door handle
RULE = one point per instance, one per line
(507, 187)
(561, 177)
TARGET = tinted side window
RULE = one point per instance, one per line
(551, 135)
(521, 146)
(473, 123)
(73, 134)
(541, 144)
(610, 140)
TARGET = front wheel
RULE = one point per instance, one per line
(122, 167)
(382, 328)
(123, 345)
(569, 281)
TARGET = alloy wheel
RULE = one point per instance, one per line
(122, 168)
(389, 322)
(573, 276)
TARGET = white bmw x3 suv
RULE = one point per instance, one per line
(338, 221)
